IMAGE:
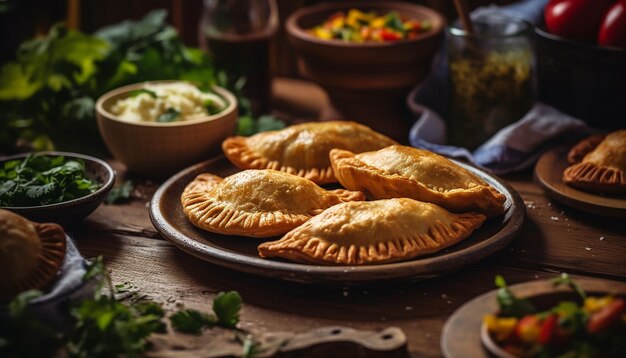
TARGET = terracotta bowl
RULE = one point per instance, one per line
(366, 82)
(584, 80)
(159, 149)
(70, 212)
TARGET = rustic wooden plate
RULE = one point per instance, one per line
(240, 253)
(548, 174)
(461, 335)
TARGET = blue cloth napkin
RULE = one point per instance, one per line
(51, 307)
(515, 147)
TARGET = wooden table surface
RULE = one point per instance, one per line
(554, 239)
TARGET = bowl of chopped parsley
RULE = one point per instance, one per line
(54, 186)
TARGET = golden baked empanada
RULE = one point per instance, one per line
(257, 203)
(603, 169)
(302, 149)
(399, 171)
(373, 232)
(578, 152)
(31, 254)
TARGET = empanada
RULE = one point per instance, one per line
(603, 169)
(302, 149)
(373, 232)
(31, 254)
(257, 203)
(399, 171)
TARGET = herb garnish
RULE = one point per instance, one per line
(226, 306)
(169, 116)
(42, 180)
(104, 326)
(137, 92)
(511, 305)
(120, 193)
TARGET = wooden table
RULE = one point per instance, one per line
(554, 239)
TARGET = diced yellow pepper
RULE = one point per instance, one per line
(529, 330)
(322, 33)
(379, 22)
(337, 22)
(594, 304)
(502, 328)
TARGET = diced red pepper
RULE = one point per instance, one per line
(547, 329)
(388, 35)
(606, 316)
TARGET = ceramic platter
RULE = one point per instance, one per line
(240, 253)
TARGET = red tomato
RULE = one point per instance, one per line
(547, 329)
(608, 315)
(613, 29)
(575, 19)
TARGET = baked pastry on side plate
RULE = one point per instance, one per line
(257, 203)
(31, 254)
(302, 149)
(603, 168)
(373, 232)
(400, 171)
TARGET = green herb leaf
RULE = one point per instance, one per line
(394, 22)
(169, 116)
(565, 279)
(137, 92)
(191, 321)
(226, 307)
(120, 193)
(510, 305)
(269, 123)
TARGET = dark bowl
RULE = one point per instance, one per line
(70, 212)
(368, 81)
(581, 79)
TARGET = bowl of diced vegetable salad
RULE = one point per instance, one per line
(157, 128)
(366, 55)
(55, 187)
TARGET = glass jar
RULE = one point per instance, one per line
(491, 77)
(237, 35)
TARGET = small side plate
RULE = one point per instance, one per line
(548, 174)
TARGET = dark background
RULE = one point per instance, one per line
(22, 19)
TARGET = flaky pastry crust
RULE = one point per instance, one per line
(302, 149)
(257, 203)
(401, 171)
(373, 232)
(603, 169)
(31, 254)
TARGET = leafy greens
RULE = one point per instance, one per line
(103, 326)
(42, 180)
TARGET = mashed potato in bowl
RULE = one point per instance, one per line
(167, 102)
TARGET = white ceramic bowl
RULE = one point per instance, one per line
(161, 149)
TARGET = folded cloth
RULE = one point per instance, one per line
(51, 307)
(513, 148)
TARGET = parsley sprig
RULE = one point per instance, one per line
(103, 326)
